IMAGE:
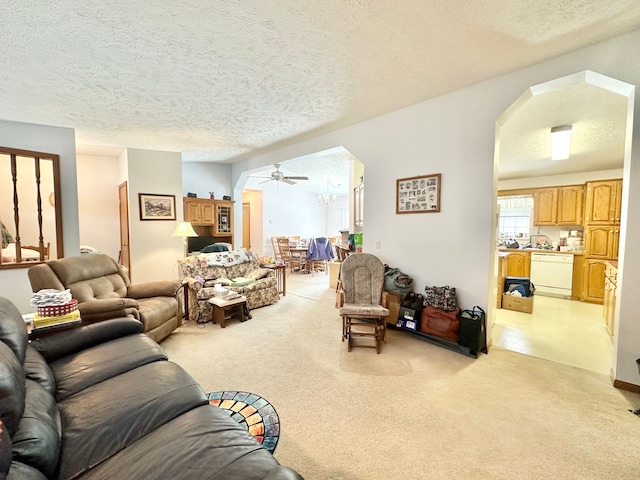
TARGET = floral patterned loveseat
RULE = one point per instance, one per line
(204, 270)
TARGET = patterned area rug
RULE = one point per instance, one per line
(252, 412)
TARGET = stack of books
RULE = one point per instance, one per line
(56, 321)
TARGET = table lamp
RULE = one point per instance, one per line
(184, 230)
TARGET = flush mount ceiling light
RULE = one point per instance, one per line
(560, 142)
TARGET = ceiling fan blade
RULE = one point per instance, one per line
(296, 178)
(290, 182)
(270, 180)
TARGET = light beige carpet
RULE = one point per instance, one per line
(416, 410)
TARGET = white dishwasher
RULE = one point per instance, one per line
(552, 273)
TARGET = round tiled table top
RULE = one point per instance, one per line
(252, 412)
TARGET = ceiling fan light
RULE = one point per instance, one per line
(560, 142)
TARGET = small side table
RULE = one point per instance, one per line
(223, 310)
(281, 276)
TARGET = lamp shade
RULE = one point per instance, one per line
(560, 142)
(184, 229)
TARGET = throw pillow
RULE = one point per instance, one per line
(258, 273)
(241, 281)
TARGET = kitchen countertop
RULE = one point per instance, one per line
(536, 250)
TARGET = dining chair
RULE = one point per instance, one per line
(361, 309)
(291, 262)
(276, 249)
(318, 255)
(44, 251)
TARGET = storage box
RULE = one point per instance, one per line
(392, 301)
(518, 304)
(334, 270)
(524, 281)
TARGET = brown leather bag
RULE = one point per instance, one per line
(440, 323)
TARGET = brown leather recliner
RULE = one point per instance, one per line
(103, 290)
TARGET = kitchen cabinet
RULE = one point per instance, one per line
(576, 279)
(603, 202)
(545, 206)
(601, 234)
(213, 218)
(518, 263)
(503, 271)
(609, 300)
(602, 241)
(570, 205)
(593, 280)
(558, 205)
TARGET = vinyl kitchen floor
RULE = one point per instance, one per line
(562, 331)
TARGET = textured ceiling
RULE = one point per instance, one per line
(224, 80)
(327, 172)
(598, 119)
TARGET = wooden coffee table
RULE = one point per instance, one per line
(223, 310)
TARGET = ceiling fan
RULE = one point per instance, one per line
(278, 176)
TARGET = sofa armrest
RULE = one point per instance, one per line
(193, 283)
(102, 305)
(66, 342)
(160, 288)
(100, 309)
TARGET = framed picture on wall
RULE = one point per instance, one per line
(157, 207)
(418, 194)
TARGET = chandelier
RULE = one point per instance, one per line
(327, 199)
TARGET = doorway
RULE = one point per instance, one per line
(246, 226)
(123, 198)
(561, 330)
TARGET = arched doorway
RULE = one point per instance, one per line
(597, 107)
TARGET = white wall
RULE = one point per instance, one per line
(201, 178)
(98, 211)
(454, 135)
(288, 211)
(335, 215)
(61, 141)
(154, 252)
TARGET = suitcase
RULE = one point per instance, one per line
(524, 281)
(472, 331)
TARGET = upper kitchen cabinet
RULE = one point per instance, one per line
(603, 202)
(570, 205)
(558, 205)
(199, 211)
(545, 206)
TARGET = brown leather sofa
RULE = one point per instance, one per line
(103, 402)
(103, 290)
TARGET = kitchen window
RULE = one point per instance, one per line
(514, 218)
